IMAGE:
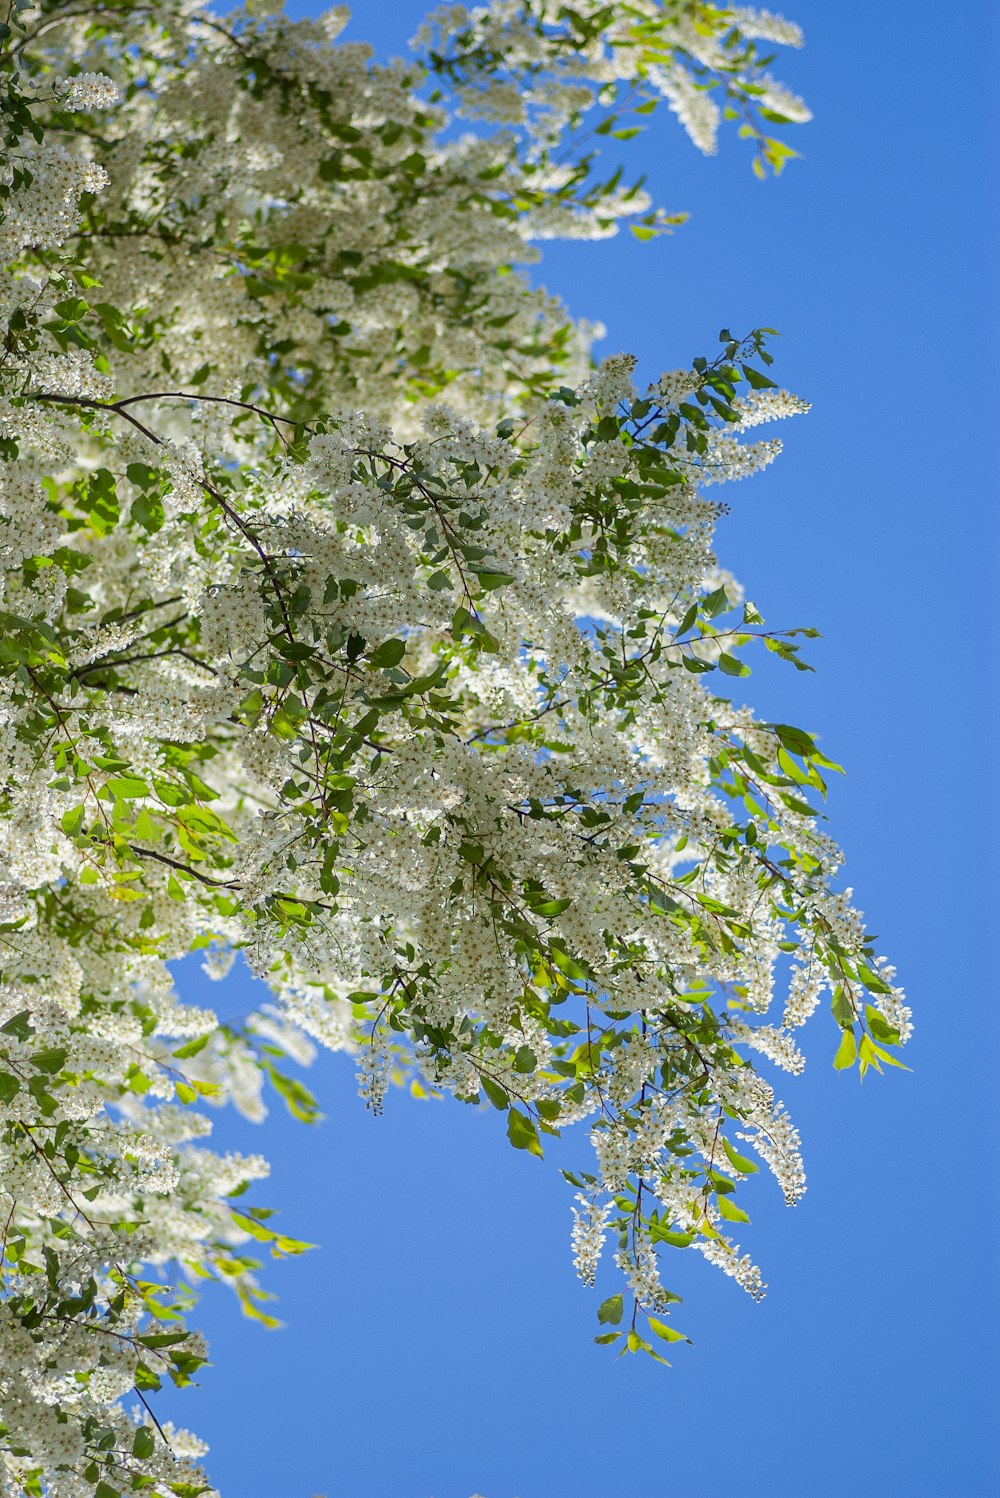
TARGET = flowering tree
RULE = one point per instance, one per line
(355, 622)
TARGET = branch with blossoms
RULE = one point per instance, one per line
(355, 623)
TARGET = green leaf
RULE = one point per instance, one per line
(732, 666)
(495, 1093)
(687, 621)
(51, 1059)
(880, 1026)
(715, 603)
(298, 1099)
(610, 1311)
(802, 807)
(667, 1235)
(794, 739)
(127, 787)
(72, 820)
(756, 379)
(143, 1442)
(147, 510)
(739, 1162)
(72, 309)
(159, 1340)
(730, 1211)
(388, 654)
(19, 1024)
(843, 1010)
(490, 580)
(192, 1047)
(263, 1234)
(667, 1333)
(10, 1086)
(884, 1055)
(551, 907)
(145, 1378)
(871, 979)
(522, 1133)
(97, 497)
(846, 1051)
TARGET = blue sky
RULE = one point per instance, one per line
(437, 1343)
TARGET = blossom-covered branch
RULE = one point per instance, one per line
(354, 621)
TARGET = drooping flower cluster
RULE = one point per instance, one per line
(354, 622)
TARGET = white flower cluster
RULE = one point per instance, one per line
(776, 1045)
(44, 210)
(767, 26)
(640, 1266)
(761, 406)
(73, 374)
(739, 1267)
(589, 1232)
(85, 91)
(692, 104)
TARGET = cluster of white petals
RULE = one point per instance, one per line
(85, 91)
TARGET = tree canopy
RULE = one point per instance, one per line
(356, 623)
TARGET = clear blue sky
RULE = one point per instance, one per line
(438, 1343)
